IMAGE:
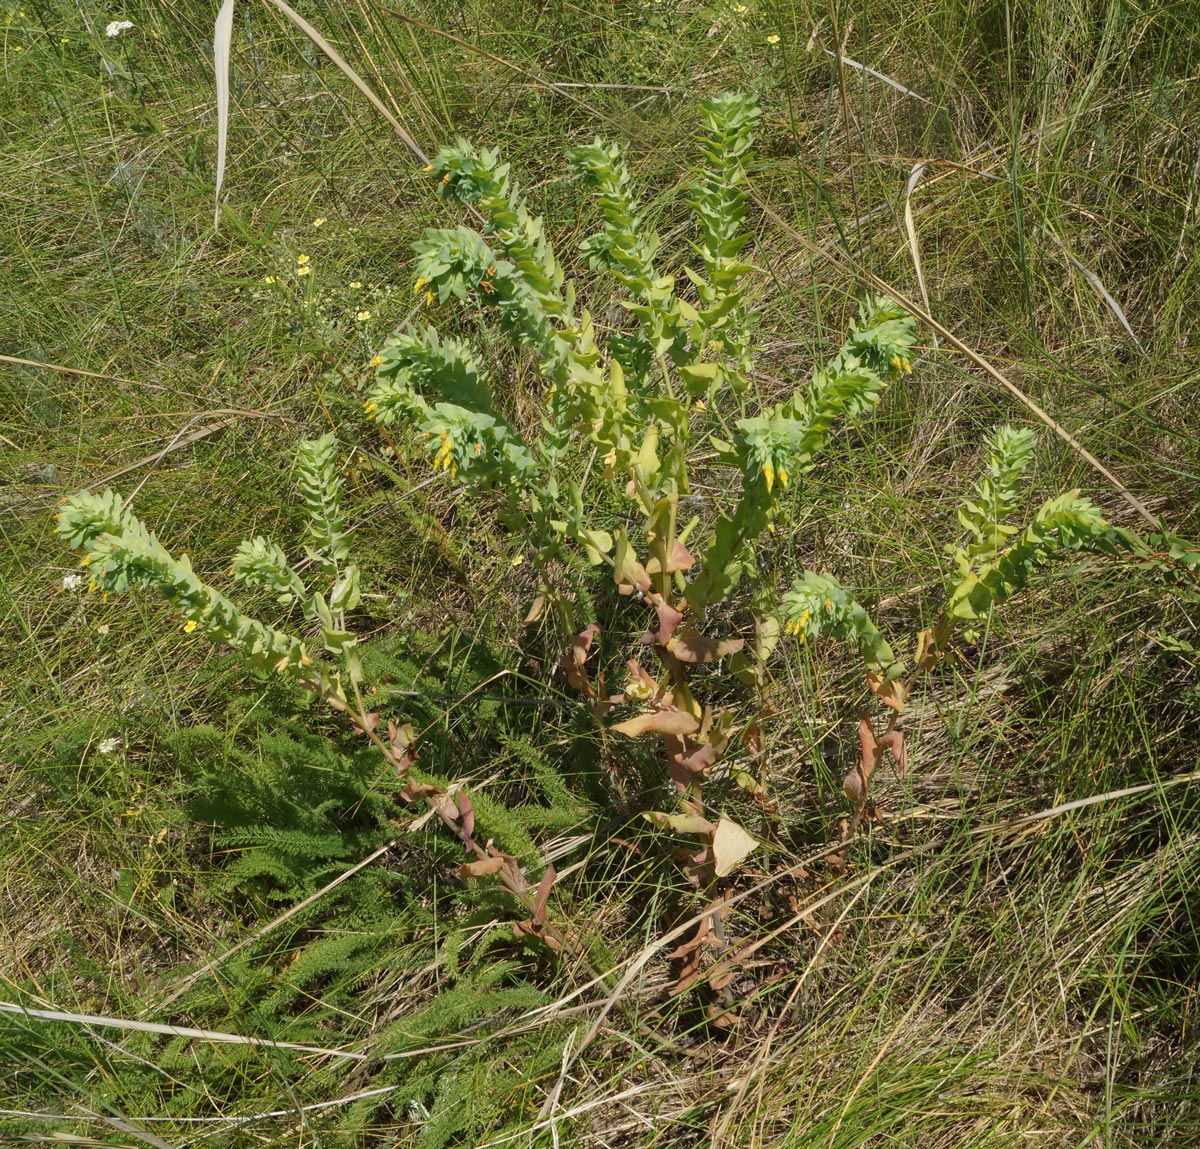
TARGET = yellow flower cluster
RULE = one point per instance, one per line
(444, 460)
(770, 475)
(797, 625)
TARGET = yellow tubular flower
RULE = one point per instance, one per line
(369, 408)
(783, 476)
(768, 476)
(419, 284)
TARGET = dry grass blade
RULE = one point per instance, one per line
(222, 37)
(1098, 284)
(913, 246)
(180, 441)
(895, 84)
(172, 1030)
(351, 75)
(541, 81)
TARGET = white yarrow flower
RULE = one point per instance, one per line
(117, 27)
(108, 745)
(72, 582)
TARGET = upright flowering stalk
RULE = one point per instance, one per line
(993, 563)
(120, 554)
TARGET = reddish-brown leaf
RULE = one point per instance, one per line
(467, 811)
(927, 650)
(668, 619)
(689, 645)
(890, 693)
(415, 790)
(400, 742)
(574, 662)
(680, 559)
(543, 893)
(658, 722)
(366, 722)
(858, 781)
(895, 741)
(492, 865)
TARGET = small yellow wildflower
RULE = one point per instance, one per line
(418, 285)
(429, 298)
(427, 168)
(303, 270)
(319, 222)
(268, 279)
(376, 361)
(363, 316)
(86, 561)
(190, 625)
(355, 284)
(829, 604)
(369, 408)
(740, 9)
(773, 38)
(518, 560)
(302, 260)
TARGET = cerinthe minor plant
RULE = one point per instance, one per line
(672, 390)
(675, 386)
